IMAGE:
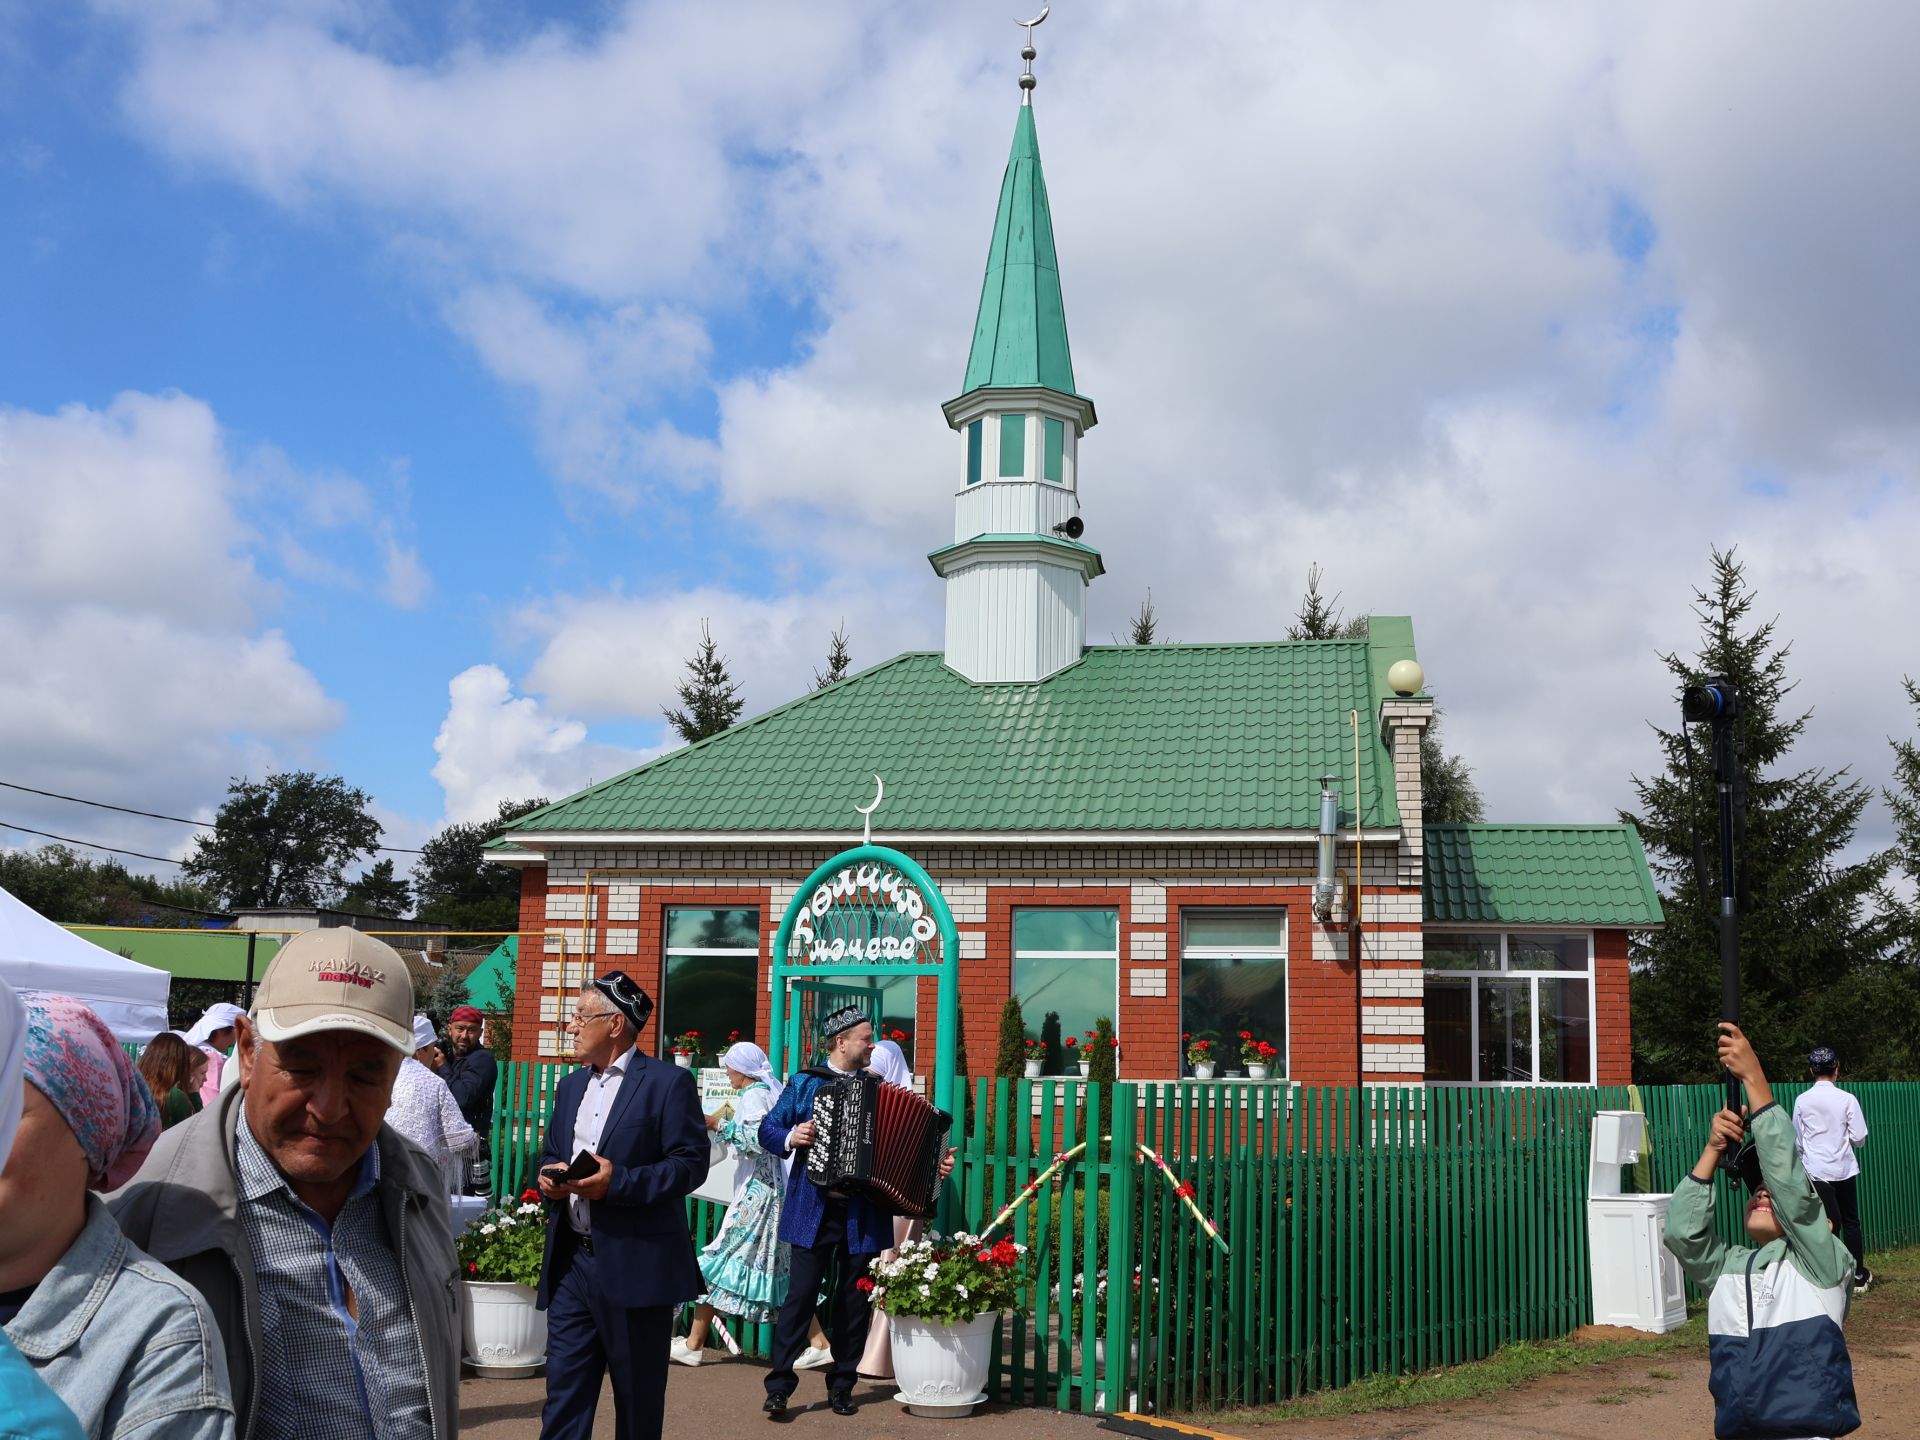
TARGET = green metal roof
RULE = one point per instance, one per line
(490, 986)
(1539, 875)
(1020, 336)
(1131, 739)
(186, 954)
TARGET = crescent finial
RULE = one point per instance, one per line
(1027, 52)
(866, 811)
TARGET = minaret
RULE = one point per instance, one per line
(1016, 573)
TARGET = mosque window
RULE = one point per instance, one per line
(973, 451)
(1233, 978)
(712, 976)
(1054, 467)
(1013, 446)
(1509, 1009)
(1067, 963)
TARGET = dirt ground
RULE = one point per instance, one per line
(1655, 1397)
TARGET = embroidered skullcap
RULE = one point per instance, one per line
(465, 1012)
(13, 1059)
(750, 1060)
(215, 1017)
(625, 996)
(73, 1060)
(423, 1035)
(889, 1062)
(843, 1019)
(1823, 1060)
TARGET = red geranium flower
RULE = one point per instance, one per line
(863, 1284)
(472, 1269)
(529, 1194)
(1071, 1042)
(986, 1257)
(1246, 1034)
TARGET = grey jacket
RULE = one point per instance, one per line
(129, 1349)
(182, 1208)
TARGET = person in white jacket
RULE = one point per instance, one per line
(1830, 1128)
(423, 1109)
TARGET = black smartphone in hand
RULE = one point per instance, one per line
(583, 1165)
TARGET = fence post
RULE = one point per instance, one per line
(1116, 1323)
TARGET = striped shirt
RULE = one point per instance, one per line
(344, 1360)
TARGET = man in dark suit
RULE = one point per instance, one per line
(619, 1257)
(825, 1231)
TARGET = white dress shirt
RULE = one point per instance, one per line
(423, 1109)
(603, 1086)
(1831, 1126)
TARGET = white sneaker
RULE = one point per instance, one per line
(681, 1354)
(813, 1358)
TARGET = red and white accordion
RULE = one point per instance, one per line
(880, 1141)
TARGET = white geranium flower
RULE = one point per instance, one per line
(488, 1229)
(931, 1272)
(963, 1292)
(926, 1293)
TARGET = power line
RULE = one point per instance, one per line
(148, 814)
(69, 840)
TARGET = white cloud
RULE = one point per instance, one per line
(132, 664)
(1338, 277)
(495, 745)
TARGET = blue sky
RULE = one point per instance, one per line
(382, 375)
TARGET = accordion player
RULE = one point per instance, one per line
(877, 1140)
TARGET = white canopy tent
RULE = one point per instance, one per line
(36, 954)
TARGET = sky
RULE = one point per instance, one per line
(393, 390)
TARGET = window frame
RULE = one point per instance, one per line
(1013, 425)
(1016, 954)
(663, 1019)
(976, 446)
(1472, 979)
(1236, 952)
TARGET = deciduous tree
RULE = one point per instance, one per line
(455, 885)
(285, 840)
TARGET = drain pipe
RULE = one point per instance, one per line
(1355, 944)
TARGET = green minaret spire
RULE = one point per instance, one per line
(1020, 337)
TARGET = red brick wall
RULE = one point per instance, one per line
(1612, 1011)
(985, 989)
(533, 955)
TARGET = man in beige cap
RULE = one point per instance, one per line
(318, 1235)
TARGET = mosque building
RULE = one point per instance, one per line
(1192, 840)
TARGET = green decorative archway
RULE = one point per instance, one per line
(869, 911)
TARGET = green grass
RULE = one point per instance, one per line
(1507, 1367)
(1878, 1319)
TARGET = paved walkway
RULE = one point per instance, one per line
(721, 1401)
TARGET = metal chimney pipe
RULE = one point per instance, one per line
(1323, 884)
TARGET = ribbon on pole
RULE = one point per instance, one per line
(1181, 1188)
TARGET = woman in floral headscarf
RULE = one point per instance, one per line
(129, 1348)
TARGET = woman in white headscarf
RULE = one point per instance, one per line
(889, 1062)
(745, 1265)
(213, 1034)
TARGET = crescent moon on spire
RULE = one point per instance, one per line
(1045, 10)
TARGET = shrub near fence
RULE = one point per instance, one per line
(1371, 1230)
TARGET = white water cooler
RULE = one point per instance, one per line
(1636, 1280)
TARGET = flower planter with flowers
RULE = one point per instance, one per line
(1257, 1055)
(1074, 1057)
(684, 1048)
(942, 1296)
(506, 1338)
(1200, 1057)
(1036, 1060)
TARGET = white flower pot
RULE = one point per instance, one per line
(1086, 1068)
(1203, 1070)
(1258, 1072)
(941, 1369)
(683, 1060)
(1033, 1069)
(506, 1337)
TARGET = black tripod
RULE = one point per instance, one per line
(1718, 702)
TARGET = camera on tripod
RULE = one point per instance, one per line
(1715, 700)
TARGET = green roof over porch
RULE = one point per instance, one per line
(1539, 875)
(1177, 739)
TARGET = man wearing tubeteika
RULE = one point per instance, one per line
(824, 1229)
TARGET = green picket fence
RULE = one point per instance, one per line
(1371, 1230)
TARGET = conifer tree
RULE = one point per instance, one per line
(709, 697)
(1809, 951)
(839, 660)
(1319, 617)
(1145, 626)
(1012, 1059)
(1103, 1067)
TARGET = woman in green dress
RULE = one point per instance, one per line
(745, 1264)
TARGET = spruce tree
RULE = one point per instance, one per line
(1012, 1059)
(1144, 629)
(1448, 795)
(1903, 800)
(448, 994)
(1103, 1068)
(1319, 617)
(1808, 948)
(839, 660)
(709, 697)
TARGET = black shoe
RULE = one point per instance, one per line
(776, 1407)
(1862, 1281)
(842, 1402)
